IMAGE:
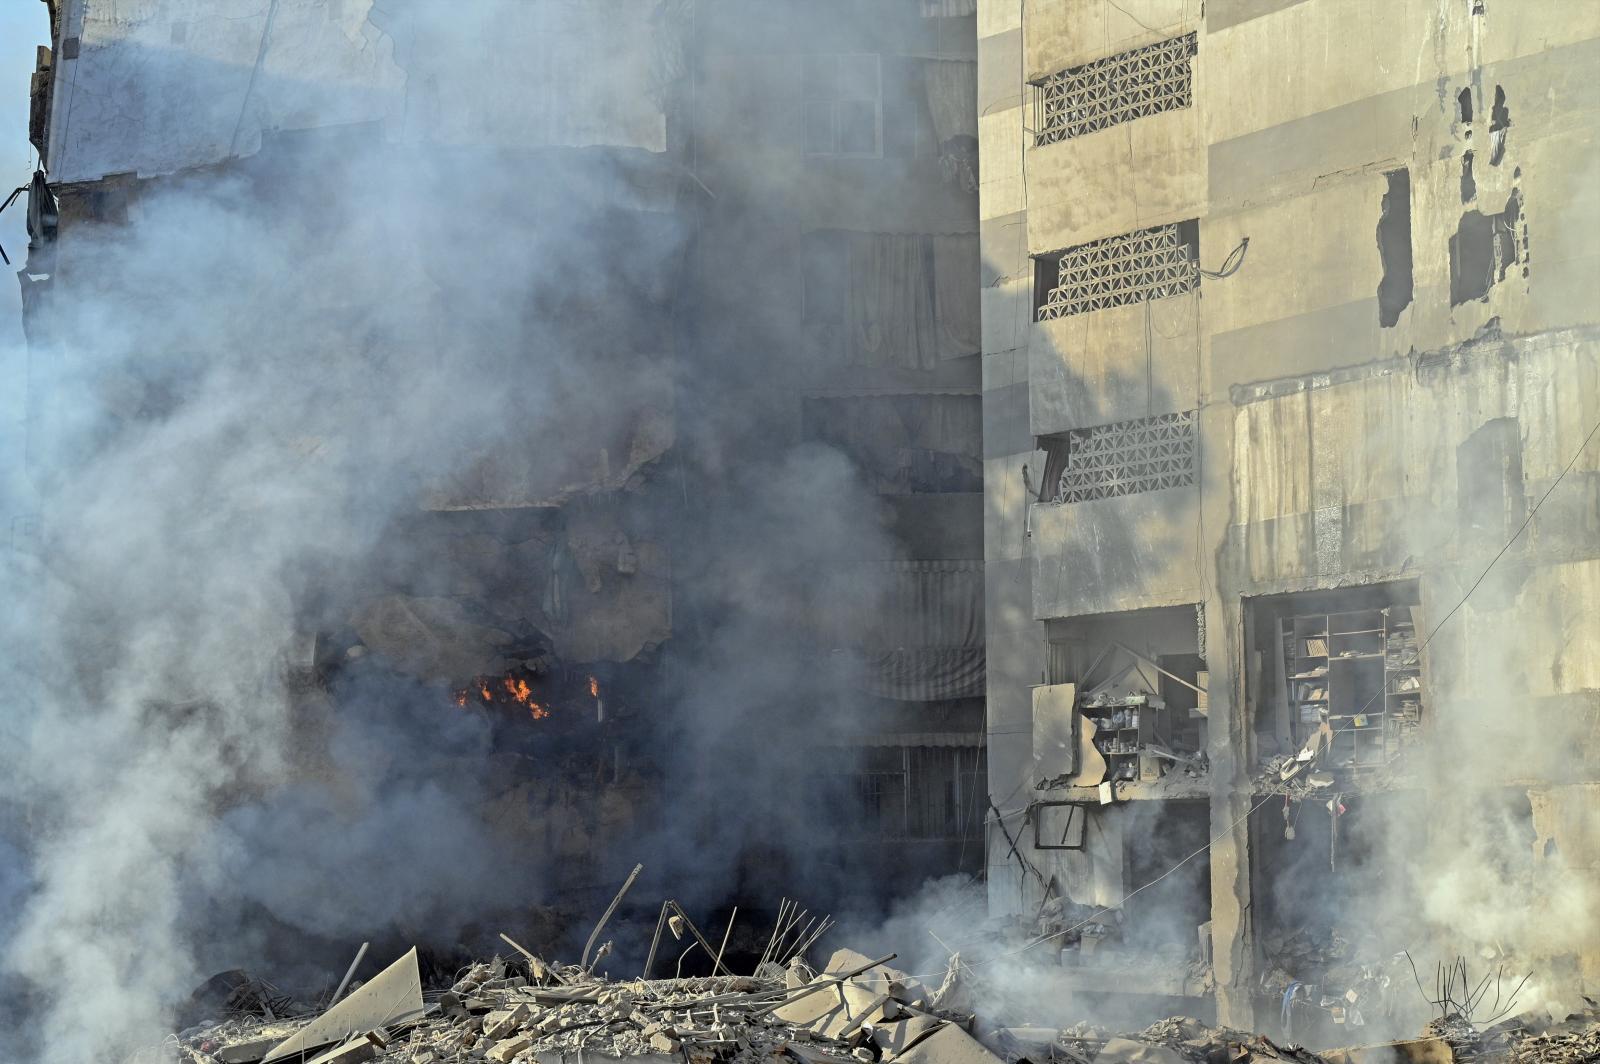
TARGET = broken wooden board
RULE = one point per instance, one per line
(392, 996)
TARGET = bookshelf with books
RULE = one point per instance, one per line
(1361, 671)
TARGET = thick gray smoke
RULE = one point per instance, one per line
(247, 387)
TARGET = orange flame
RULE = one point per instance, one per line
(504, 690)
(594, 687)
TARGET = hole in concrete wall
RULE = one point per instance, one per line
(1139, 681)
(1394, 249)
(1483, 248)
(1464, 99)
(1350, 657)
(1469, 187)
(1499, 122)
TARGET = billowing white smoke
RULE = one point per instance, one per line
(244, 387)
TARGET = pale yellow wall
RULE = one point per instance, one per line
(1066, 33)
(1078, 189)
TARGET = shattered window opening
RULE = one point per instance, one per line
(1145, 264)
(1394, 248)
(843, 105)
(1119, 88)
(1128, 457)
(1484, 247)
(1348, 669)
(1059, 825)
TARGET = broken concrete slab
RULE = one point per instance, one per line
(392, 996)
(503, 1022)
(948, 1045)
(247, 1052)
(1127, 1051)
(895, 1038)
(354, 1051)
(881, 978)
(1413, 1051)
(503, 1051)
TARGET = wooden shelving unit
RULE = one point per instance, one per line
(1362, 670)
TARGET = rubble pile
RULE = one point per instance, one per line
(1531, 1038)
(853, 1010)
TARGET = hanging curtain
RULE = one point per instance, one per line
(891, 302)
(952, 86)
(922, 640)
(913, 299)
(956, 294)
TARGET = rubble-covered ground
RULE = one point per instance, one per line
(853, 1010)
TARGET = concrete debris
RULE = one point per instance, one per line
(352, 1052)
(391, 997)
(850, 1010)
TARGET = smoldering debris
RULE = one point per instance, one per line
(853, 1009)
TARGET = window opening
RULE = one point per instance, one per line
(1123, 458)
(1145, 264)
(843, 105)
(1119, 88)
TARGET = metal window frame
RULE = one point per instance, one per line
(1082, 820)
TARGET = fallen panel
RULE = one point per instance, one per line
(1054, 742)
(948, 1045)
(392, 996)
(896, 1038)
(352, 1052)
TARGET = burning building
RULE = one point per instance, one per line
(1120, 454)
(453, 343)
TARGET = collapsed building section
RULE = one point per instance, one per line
(546, 565)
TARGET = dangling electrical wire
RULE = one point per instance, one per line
(1230, 265)
(19, 190)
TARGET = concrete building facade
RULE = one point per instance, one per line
(1287, 329)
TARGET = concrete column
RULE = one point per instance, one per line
(1229, 735)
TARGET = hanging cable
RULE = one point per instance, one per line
(1230, 265)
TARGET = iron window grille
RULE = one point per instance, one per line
(1128, 457)
(1119, 88)
(1117, 270)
